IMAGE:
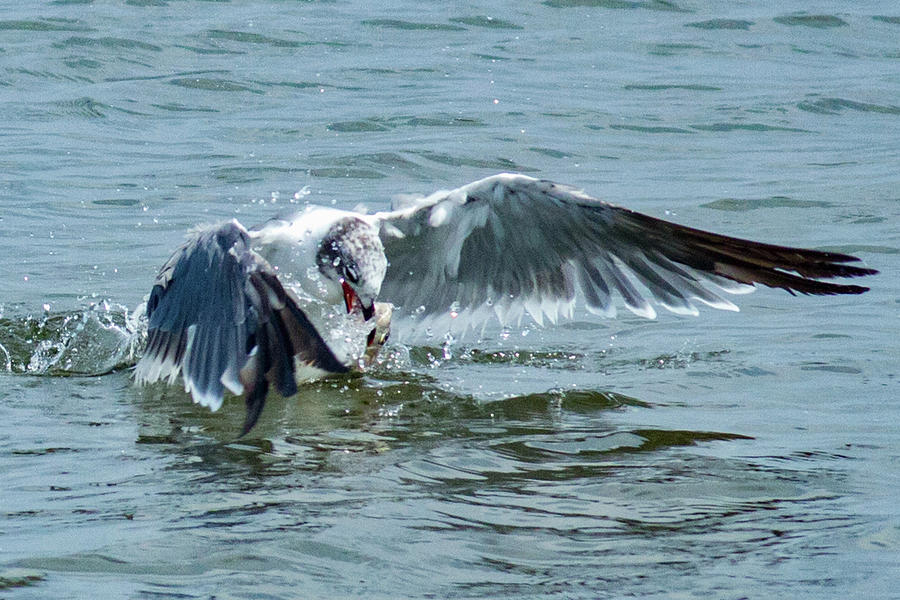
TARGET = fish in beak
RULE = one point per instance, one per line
(380, 334)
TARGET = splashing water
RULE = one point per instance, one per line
(92, 341)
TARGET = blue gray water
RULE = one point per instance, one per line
(748, 455)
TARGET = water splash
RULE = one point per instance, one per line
(96, 340)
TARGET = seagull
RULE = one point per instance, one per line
(314, 293)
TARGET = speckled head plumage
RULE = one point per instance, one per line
(352, 255)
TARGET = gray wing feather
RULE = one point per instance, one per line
(511, 243)
(219, 317)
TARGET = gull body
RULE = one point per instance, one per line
(296, 297)
(320, 246)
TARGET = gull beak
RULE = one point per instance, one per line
(351, 298)
(349, 295)
(368, 311)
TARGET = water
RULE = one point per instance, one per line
(731, 456)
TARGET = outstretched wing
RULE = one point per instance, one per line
(219, 317)
(511, 243)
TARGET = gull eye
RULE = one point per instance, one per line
(350, 274)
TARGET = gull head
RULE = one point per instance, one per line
(351, 257)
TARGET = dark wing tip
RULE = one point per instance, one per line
(746, 261)
(283, 335)
(834, 289)
(254, 400)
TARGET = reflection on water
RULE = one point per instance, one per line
(511, 496)
(505, 498)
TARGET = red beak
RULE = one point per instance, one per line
(351, 298)
(349, 295)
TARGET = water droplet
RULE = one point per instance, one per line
(302, 192)
(448, 343)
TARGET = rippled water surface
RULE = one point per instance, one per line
(749, 455)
